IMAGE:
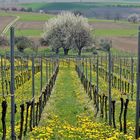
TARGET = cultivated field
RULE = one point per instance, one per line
(96, 9)
(123, 34)
(4, 20)
(28, 24)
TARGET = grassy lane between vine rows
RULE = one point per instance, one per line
(68, 114)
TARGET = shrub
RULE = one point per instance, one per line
(14, 9)
(22, 43)
(105, 44)
(3, 41)
(22, 9)
(29, 9)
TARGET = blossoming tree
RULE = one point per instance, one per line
(68, 31)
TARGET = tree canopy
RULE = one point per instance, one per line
(68, 31)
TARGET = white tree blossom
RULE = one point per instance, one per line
(134, 18)
(68, 31)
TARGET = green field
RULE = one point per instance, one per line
(28, 16)
(78, 6)
(28, 32)
(44, 17)
(98, 32)
(115, 32)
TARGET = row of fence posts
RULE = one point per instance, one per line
(111, 106)
(20, 78)
(49, 75)
(97, 80)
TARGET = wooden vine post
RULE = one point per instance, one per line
(97, 81)
(41, 81)
(90, 78)
(12, 86)
(2, 73)
(86, 75)
(83, 65)
(132, 78)
(49, 75)
(120, 74)
(46, 71)
(109, 85)
(52, 66)
(33, 89)
(137, 132)
(86, 70)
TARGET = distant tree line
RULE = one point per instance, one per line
(22, 9)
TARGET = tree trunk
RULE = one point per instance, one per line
(66, 51)
(79, 52)
(57, 51)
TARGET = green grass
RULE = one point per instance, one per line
(64, 102)
(67, 106)
(28, 32)
(115, 32)
(93, 20)
(34, 6)
(34, 17)
(48, 51)
(118, 52)
(28, 16)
